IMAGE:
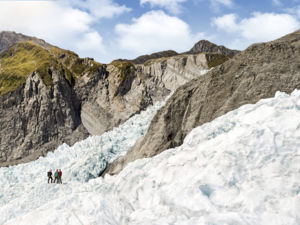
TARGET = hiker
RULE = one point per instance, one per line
(50, 176)
(59, 176)
(56, 176)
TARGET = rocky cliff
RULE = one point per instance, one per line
(39, 108)
(177, 70)
(257, 73)
(49, 96)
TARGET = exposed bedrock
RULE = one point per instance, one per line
(256, 73)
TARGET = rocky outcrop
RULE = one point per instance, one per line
(175, 71)
(257, 73)
(206, 46)
(35, 119)
(9, 38)
(50, 96)
(129, 88)
(114, 98)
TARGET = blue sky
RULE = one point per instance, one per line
(111, 29)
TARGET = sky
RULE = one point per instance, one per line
(111, 29)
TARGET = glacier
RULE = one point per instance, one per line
(241, 168)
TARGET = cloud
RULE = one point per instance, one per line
(155, 31)
(295, 11)
(62, 23)
(227, 22)
(268, 26)
(227, 3)
(257, 28)
(100, 8)
(277, 2)
(90, 44)
(298, 11)
(173, 6)
(215, 4)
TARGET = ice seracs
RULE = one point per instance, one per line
(241, 168)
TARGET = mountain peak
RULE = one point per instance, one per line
(207, 46)
(9, 38)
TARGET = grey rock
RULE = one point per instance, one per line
(206, 46)
(256, 73)
(175, 71)
(110, 102)
(36, 119)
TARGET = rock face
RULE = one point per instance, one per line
(113, 98)
(111, 101)
(50, 96)
(35, 119)
(206, 46)
(177, 70)
(256, 73)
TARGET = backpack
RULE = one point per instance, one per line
(56, 174)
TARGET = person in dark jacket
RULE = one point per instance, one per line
(50, 178)
(56, 176)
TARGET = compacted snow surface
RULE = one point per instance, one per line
(241, 168)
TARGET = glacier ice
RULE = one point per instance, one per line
(241, 168)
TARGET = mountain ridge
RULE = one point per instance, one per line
(50, 96)
(202, 46)
(9, 38)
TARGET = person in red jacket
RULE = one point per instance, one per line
(59, 176)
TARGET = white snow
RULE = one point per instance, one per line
(241, 168)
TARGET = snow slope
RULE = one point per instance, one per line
(242, 168)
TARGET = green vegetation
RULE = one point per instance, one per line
(150, 61)
(143, 58)
(215, 59)
(20, 61)
(126, 69)
(75, 65)
(24, 58)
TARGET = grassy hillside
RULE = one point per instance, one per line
(125, 68)
(215, 59)
(22, 59)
